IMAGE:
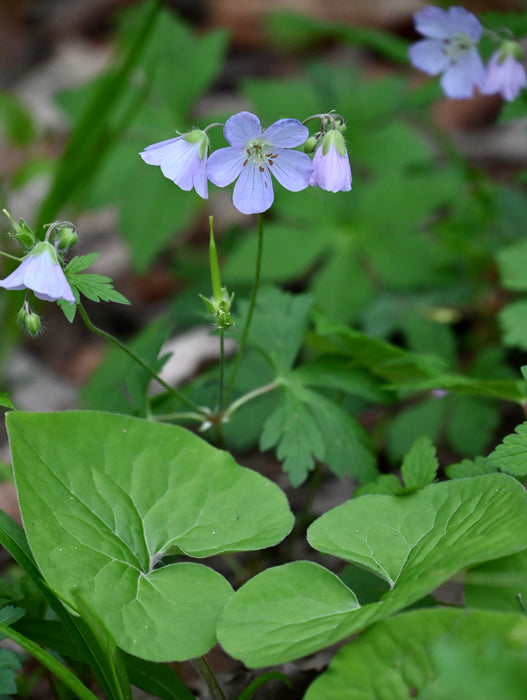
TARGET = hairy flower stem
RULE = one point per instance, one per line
(252, 304)
(201, 665)
(140, 362)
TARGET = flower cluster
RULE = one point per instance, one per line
(253, 158)
(451, 49)
(41, 268)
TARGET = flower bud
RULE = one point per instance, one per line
(22, 315)
(311, 144)
(32, 323)
(22, 232)
(66, 238)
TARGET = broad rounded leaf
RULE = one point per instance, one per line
(414, 542)
(274, 602)
(438, 653)
(105, 497)
(442, 528)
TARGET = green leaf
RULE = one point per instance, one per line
(512, 263)
(383, 359)
(279, 326)
(469, 467)
(472, 424)
(306, 426)
(5, 400)
(338, 373)
(499, 584)
(293, 431)
(9, 665)
(408, 656)
(420, 465)
(99, 523)
(50, 662)
(511, 455)
(95, 287)
(271, 605)
(512, 319)
(414, 542)
(424, 418)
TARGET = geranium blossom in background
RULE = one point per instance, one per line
(183, 160)
(41, 272)
(505, 74)
(253, 155)
(331, 166)
(450, 49)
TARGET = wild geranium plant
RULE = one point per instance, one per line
(133, 516)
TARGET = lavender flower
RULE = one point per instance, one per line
(183, 160)
(253, 155)
(41, 272)
(331, 166)
(505, 74)
(450, 49)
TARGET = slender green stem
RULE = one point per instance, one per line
(249, 396)
(178, 416)
(208, 676)
(252, 303)
(50, 662)
(222, 373)
(11, 257)
(107, 336)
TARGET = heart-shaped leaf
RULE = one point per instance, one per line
(105, 497)
(415, 542)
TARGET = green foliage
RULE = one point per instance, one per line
(305, 425)
(511, 455)
(431, 654)
(414, 542)
(119, 384)
(499, 584)
(16, 121)
(176, 67)
(107, 541)
(420, 465)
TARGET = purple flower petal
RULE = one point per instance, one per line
(433, 23)
(458, 81)
(225, 164)
(242, 128)
(292, 169)
(462, 21)
(182, 160)
(429, 56)
(332, 171)
(504, 76)
(154, 154)
(253, 192)
(40, 273)
(286, 133)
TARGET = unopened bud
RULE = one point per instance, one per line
(311, 144)
(66, 238)
(32, 323)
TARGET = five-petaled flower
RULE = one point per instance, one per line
(505, 74)
(183, 160)
(331, 166)
(41, 272)
(450, 49)
(253, 155)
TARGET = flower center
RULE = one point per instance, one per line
(457, 46)
(260, 153)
